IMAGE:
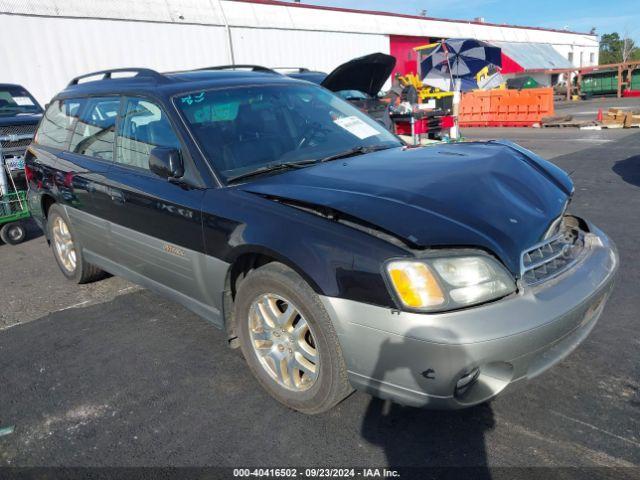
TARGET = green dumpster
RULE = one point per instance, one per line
(600, 83)
(635, 80)
(520, 83)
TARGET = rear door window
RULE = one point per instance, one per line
(95, 129)
(144, 126)
(58, 122)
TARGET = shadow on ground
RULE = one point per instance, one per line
(629, 170)
(418, 437)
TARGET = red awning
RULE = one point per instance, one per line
(509, 65)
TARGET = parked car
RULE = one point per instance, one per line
(358, 81)
(302, 73)
(332, 255)
(19, 117)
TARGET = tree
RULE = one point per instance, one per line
(614, 49)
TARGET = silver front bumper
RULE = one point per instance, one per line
(417, 359)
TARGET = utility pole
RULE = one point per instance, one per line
(232, 59)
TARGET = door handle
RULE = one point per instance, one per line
(117, 196)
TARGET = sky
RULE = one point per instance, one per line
(580, 16)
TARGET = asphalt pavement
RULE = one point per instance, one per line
(109, 374)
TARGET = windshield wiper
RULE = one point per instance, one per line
(271, 168)
(352, 152)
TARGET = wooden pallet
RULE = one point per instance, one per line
(570, 124)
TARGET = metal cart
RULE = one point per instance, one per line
(13, 208)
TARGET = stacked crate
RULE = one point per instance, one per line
(618, 118)
(505, 108)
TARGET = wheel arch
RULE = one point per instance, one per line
(242, 262)
(45, 203)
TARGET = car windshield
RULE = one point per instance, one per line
(15, 100)
(247, 128)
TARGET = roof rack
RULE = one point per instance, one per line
(106, 74)
(253, 68)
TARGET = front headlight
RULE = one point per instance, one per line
(448, 283)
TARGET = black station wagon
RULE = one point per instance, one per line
(334, 256)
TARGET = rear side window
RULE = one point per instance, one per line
(57, 124)
(143, 126)
(94, 134)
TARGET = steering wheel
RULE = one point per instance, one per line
(311, 131)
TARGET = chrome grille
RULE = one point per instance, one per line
(553, 256)
(14, 139)
(23, 143)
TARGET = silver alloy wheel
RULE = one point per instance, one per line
(63, 244)
(283, 342)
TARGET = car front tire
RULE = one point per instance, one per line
(288, 340)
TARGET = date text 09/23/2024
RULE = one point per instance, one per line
(316, 473)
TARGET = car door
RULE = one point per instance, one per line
(156, 223)
(84, 166)
(75, 177)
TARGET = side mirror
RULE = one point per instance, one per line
(166, 162)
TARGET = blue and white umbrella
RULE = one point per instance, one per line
(457, 58)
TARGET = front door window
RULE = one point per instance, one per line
(143, 127)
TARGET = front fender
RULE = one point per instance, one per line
(336, 260)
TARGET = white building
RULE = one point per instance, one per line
(44, 43)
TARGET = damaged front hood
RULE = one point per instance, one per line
(487, 195)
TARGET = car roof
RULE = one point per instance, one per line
(171, 83)
(7, 85)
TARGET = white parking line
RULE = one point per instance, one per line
(624, 439)
(74, 305)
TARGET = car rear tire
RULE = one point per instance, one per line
(13, 233)
(288, 340)
(67, 250)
